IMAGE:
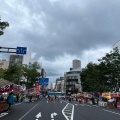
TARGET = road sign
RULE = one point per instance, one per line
(43, 81)
(21, 50)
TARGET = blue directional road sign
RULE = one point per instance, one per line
(21, 50)
(43, 81)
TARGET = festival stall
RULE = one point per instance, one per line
(5, 87)
(116, 98)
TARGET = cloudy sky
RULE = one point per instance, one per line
(58, 31)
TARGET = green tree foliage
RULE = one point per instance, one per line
(16, 72)
(2, 71)
(13, 73)
(102, 77)
(111, 71)
(32, 76)
(3, 25)
(89, 78)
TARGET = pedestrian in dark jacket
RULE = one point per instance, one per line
(10, 100)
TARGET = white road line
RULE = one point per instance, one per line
(66, 112)
(3, 114)
(111, 112)
(88, 105)
(76, 104)
(17, 103)
(29, 111)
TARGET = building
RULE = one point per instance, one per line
(4, 64)
(20, 59)
(15, 59)
(36, 65)
(76, 64)
(60, 84)
(72, 79)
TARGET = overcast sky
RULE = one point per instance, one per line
(58, 31)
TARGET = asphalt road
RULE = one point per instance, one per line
(59, 110)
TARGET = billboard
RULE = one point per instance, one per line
(43, 81)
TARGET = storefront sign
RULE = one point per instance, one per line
(29, 91)
(6, 88)
(115, 94)
(37, 86)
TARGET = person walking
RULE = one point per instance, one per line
(10, 100)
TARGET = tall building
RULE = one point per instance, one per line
(15, 59)
(72, 79)
(26, 59)
(76, 64)
(60, 84)
(20, 59)
(4, 64)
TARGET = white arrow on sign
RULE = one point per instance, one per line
(53, 114)
(38, 115)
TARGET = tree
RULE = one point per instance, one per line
(3, 25)
(14, 74)
(89, 78)
(110, 72)
(2, 71)
(32, 76)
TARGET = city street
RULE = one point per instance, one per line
(59, 110)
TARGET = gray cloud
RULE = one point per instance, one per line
(51, 29)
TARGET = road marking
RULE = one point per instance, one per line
(17, 103)
(3, 114)
(38, 115)
(76, 104)
(111, 112)
(95, 106)
(68, 111)
(29, 111)
(87, 105)
(53, 114)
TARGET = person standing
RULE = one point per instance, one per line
(17, 98)
(10, 100)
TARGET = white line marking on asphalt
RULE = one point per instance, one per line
(3, 114)
(111, 112)
(38, 115)
(17, 103)
(95, 106)
(29, 111)
(88, 105)
(82, 105)
(76, 104)
(66, 112)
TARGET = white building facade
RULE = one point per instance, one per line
(72, 79)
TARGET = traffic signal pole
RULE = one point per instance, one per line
(7, 50)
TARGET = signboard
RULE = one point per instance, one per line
(115, 94)
(21, 50)
(37, 86)
(43, 81)
(6, 88)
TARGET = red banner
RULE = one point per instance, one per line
(6, 88)
(36, 86)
